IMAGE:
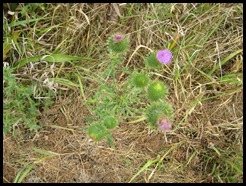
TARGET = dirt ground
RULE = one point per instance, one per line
(79, 159)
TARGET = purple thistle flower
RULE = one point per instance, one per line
(164, 56)
(118, 37)
(164, 124)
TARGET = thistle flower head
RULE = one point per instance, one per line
(164, 56)
(118, 37)
(164, 124)
(159, 110)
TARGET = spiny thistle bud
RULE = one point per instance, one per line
(96, 131)
(157, 111)
(140, 80)
(118, 43)
(157, 90)
(110, 122)
(164, 56)
(152, 62)
(164, 124)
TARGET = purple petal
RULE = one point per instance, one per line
(164, 56)
(118, 37)
(164, 124)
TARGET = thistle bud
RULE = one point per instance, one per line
(157, 90)
(157, 111)
(118, 43)
(140, 80)
(96, 131)
(110, 122)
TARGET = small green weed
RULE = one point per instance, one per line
(20, 106)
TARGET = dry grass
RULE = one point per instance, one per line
(208, 112)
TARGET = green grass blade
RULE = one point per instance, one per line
(205, 40)
(190, 62)
(81, 68)
(239, 170)
(215, 28)
(81, 88)
(43, 152)
(27, 60)
(214, 168)
(150, 162)
(8, 45)
(216, 150)
(239, 162)
(64, 82)
(231, 78)
(197, 51)
(110, 141)
(224, 61)
(13, 24)
(137, 120)
(191, 157)
(26, 172)
(50, 58)
(18, 175)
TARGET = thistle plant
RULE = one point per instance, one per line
(152, 62)
(164, 124)
(97, 131)
(112, 103)
(20, 106)
(118, 43)
(160, 113)
(109, 107)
